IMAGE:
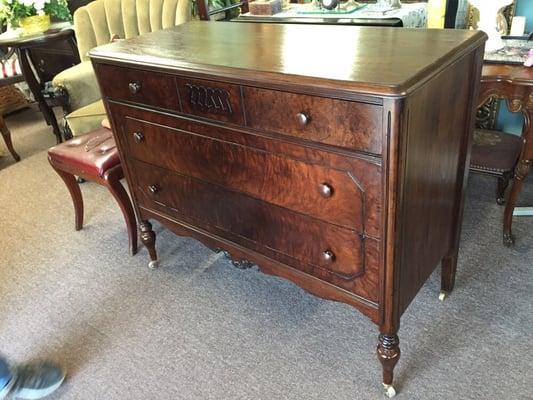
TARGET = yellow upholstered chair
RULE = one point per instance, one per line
(98, 23)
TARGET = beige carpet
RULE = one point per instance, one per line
(198, 328)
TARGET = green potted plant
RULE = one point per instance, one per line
(33, 16)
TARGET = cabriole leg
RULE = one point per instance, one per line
(521, 172)
(148, 239)
(388, 354)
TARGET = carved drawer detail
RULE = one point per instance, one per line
(209, 100)
(213, 100)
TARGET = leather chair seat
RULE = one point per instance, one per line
(91, 154)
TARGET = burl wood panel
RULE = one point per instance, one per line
(208, 99)
(295, 239)
(342, 123)
(432, 155)
(276, 178)
(158, 90)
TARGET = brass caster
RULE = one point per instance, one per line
(389, 391)
(153, 264)
(443, 295)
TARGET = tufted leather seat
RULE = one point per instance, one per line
(94, 157)
(93, 153)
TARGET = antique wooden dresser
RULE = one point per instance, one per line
(331, 156)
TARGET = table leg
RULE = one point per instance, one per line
(35, 87)
(521, 172)
(6, 134)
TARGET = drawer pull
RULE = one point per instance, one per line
(303, 119)
(325, 190)
(153, 189)
(135, 87)
(328, 256)
(138, 137)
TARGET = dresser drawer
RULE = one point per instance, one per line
(330, 252)
(142, 87)
(342, 123)
(329, 194)
(213, 100)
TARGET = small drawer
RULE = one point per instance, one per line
(133, 85)
(337, 122)
(329, 252)
(213, 100)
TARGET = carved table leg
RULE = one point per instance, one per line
(148, 239)
(522, 170)
(388, 351)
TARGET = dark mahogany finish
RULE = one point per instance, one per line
(342, 123)
(346, 180)
(514, 83)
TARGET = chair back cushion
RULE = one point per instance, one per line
(101, 20)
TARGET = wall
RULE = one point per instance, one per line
(507, 121)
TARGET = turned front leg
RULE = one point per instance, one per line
(388, 354)
(148, 239)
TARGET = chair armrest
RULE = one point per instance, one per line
(80, 84)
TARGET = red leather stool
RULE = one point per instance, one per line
(94, 157)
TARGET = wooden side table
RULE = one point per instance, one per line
(34, 71)
(514, 83)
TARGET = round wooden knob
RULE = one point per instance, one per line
(325, 190)
(303, 119)
(138, 137)
(328, 256)
(153, 189)
(135, 87)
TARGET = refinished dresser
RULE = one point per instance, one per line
(331, 156)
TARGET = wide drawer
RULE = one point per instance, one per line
(327, 251)
(142, 87)
(332, 195)
(342, 123)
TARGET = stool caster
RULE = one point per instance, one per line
(153, 264)
(389, 391)
(443, 295)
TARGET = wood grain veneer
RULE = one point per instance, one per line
(337, 164)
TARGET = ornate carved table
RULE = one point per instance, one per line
(514, 83)
(310, 151)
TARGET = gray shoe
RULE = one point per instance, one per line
(37, 380)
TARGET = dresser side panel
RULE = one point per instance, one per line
(437, 124)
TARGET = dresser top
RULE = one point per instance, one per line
(370, 60)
